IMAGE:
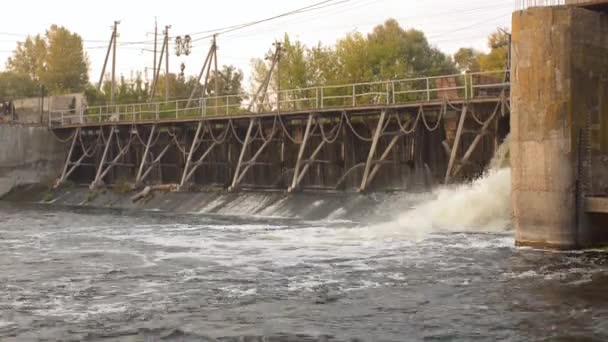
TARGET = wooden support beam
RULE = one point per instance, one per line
(463, 117)
(140, 172)
(64, 173)
(469, 153)
(596, 205)
(372, 151)
(378, 163)
(155, 162)
(193, 149)
(307, 134)
(447, 148)
(114, 161)
(97, 180)
(252, 161)
(242, 155)
(198, 163)
(308, 163)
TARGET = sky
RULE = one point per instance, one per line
(448, 24)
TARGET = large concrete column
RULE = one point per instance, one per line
(560, 55)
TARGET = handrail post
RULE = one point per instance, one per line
(354, 96)
(322, 98)
(472, 87)
(227, 108)
(393, 86)
(388, 93)
(466, 87)
(428, 89)
(157, 111)
(176, 109)
(317, 97)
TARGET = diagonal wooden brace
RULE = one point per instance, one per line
(193, 148)
(242, 155)
(296, 172)
(378, 163)
(456, 145)
(66, 171)
(198, 163)
(140, 172)
(372, 151)
(255, 157)
(97, 180)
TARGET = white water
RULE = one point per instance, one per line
(483, 205)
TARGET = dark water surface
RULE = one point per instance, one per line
(91, 275)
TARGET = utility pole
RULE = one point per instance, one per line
(167, 62)
(278, 58)
(105, 62)
(155, 51)
(206, 69)
(112, 95)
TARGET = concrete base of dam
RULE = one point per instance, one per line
(559, 125)
(28, 154)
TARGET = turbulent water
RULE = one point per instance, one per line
(443, 270)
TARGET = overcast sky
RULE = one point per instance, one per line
(448, 24)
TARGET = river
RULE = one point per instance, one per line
(445, 269)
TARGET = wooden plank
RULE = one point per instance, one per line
(296, 171)
(372, 151)
(596, 205)
(456, 145)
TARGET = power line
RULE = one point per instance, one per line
(257, 22)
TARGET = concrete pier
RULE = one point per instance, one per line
(559, 124)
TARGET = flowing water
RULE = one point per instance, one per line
(444, 269)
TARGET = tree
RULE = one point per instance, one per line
(467, 59)
(388, 52)
(57, 60)
(66, 62)
(229, 80)
(15, 85)
(29, 58)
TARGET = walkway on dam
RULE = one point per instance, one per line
(398, 134)
(481, 87)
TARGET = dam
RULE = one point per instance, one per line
(408, 134)
(442, 207)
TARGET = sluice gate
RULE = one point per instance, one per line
(380, 143)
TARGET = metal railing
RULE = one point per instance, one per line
(396, 92)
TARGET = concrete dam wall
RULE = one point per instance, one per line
(28, 154)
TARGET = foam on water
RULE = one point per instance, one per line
(484, 205)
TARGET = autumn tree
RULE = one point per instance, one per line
(229, 81)
(469, 59)
(13, 85)
(388, 52)
(29, 58)
(66, 62)
(57, 60)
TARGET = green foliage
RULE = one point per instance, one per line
(388, 52)
(469, 59)
(229, 81)
(14, 85)
(29, 58)
(66, 63)
(57, 61)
